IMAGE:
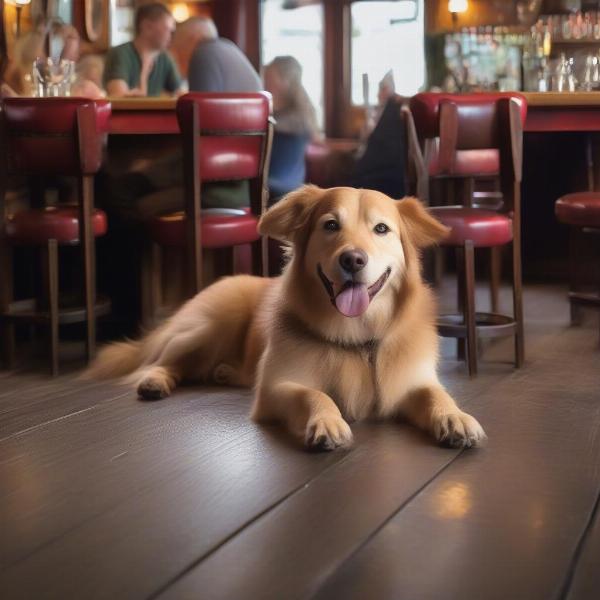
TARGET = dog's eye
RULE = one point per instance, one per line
(331, 225)
(381, 228)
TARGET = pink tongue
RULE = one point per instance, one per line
(353, 301)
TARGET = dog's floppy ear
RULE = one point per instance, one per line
(423, 229)
(288, 216)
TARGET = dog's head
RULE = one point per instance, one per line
(355, 244)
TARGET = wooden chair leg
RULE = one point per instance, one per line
(469, 307)
(460, 298)
(7, 328)
(518, 304)
(86, 236)
(495, 276)
(53, 302)
(151, 283)
(575, 272)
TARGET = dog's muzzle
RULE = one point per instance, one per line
(354, 298)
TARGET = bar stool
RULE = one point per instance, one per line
(467, 124)
(581, 211)
(462, 166)
(57, 137)
(225, 137)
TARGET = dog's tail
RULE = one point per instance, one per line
(116, 360)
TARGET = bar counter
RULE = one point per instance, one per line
(547, 112)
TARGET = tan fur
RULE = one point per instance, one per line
(311, 366)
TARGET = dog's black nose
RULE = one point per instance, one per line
(353, 261)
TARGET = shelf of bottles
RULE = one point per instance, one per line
(484, 58)
(562, 53)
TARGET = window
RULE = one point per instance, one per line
(297, 32)
(387, 36)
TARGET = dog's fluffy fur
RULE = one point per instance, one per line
(312, 367)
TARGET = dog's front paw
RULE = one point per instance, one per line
(458, 429)
(156, 385)
(327, 433)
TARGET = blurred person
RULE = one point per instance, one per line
(211, 63)
(90, 68)
(295, 124)
(66, 46)
(143, 67)
(18, 80)
(380, 164)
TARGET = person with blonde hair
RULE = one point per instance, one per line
(295, 124)
(18, 74)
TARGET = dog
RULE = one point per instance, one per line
(347, 332)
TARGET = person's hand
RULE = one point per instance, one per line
(148, 59)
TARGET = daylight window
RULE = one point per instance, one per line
(387, 38)
(298, 32)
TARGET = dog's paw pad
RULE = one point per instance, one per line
(458, 430)
(328, 433)
(150, 389)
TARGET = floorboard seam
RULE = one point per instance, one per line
(241, 528)
(566, 587)
(375, 531)
(140, 490)
(36, 398)
(63, 417)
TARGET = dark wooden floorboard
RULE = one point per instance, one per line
(104, 496)
(503, 522)
(584, 582)
(145, 482)
(59, 400)
(286, 553)
(313, 532)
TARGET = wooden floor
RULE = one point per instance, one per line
(104, 496)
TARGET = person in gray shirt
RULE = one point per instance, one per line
(212, 63)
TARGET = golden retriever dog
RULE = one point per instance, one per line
(347, 332)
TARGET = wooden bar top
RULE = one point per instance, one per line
(547, 112)
(124, 104)
(533, 99)
(559, 99)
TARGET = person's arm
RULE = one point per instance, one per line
(173, 81)
(116, 77)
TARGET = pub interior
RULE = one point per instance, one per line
(142, 143)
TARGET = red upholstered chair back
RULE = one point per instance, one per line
(54, 136)
(472, 149)
(226, 134)
(425, 108)
(472, 123)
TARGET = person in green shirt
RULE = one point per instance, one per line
(143, 67)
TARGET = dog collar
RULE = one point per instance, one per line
(298, 326)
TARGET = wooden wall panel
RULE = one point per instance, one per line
(239, 21)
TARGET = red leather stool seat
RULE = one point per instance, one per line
(483, 227)
(217, 231)
(581, 209)
(37, 226)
